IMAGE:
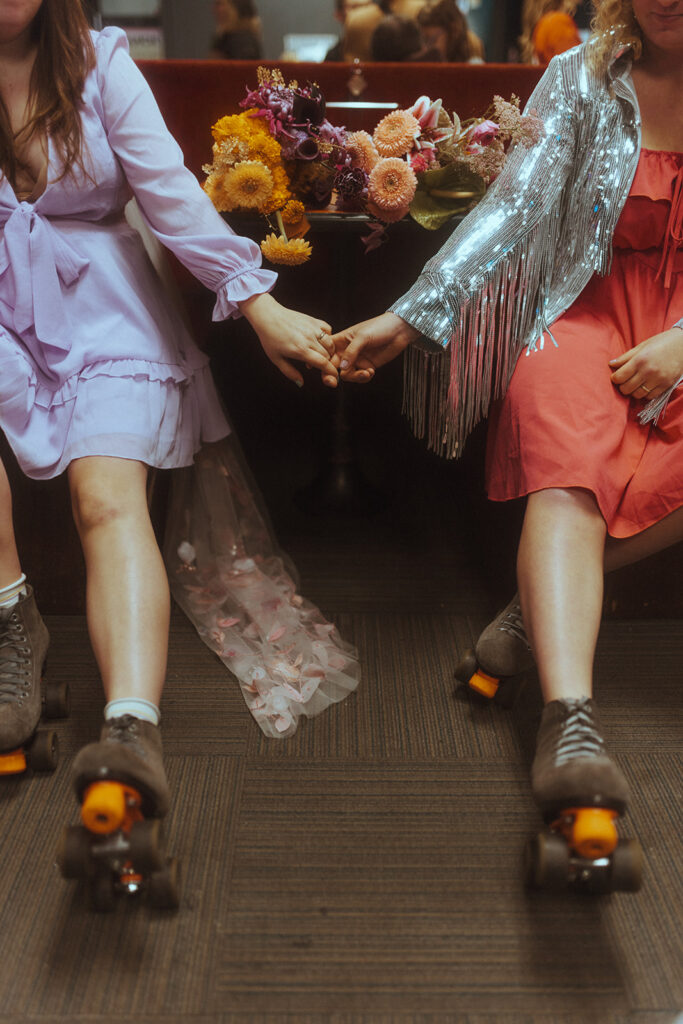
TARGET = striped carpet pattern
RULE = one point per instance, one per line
(365, 871)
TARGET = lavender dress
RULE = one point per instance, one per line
(93, 360)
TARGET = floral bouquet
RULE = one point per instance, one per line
(282, 157)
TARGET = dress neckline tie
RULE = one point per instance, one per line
(41, 264)
(674, 232)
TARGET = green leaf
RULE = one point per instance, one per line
(443, 193)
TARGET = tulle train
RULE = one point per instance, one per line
(230, 579)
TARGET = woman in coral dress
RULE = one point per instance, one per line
(563, 291)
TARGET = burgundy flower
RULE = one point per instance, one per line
(308, 106)
(307, 149)
(351, 184)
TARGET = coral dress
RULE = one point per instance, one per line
(562, 423)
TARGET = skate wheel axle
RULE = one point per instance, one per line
(110, 805)
(589, 831)
(484, 684)
(13, 762)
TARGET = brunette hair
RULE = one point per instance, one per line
(532, 12)
(447, 15)
(65, 55)
(614, 25)
(246, 9)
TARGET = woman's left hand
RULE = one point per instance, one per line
(651, 368)
(287, 335)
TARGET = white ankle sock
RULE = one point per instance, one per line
(9, 596)
(135, 706)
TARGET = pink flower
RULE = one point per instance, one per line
(426, 112)
(419, 162)
(428, 115)
(483, 133)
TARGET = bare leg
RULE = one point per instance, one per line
(560, 574)
(128, 602)
(627, 550)
(10, 567)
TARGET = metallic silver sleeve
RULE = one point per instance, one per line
(524, 254)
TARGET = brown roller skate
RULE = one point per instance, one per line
(122, 788)
(501, 656)
(24, 641)
(581, 793)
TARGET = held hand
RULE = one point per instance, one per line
(372, 343)
(286, 334)
(651, 368)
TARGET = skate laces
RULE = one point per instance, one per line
(512, 622)
(122, 729)
(579, 736)
(15, 657)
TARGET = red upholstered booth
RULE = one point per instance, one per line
(194, 94)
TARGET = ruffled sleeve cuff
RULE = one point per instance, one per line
(239, 288)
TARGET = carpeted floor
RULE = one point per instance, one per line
(365, 871)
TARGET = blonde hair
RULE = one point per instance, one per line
(613, 26)
(532, 12)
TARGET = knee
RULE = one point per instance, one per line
(95, 505)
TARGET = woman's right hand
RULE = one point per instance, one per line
(365, 346)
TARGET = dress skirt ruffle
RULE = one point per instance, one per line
(130, 409)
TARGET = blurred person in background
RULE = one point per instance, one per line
(400, 39)
(238, 31)
(362, 20)
(444, 27)
(548, 28)
(342, 10)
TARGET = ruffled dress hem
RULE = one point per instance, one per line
(156, 413)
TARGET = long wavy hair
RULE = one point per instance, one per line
(532, 12)
(65, 55)
(614, 25)
(447, 15)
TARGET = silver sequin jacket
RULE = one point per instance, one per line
(525, 253)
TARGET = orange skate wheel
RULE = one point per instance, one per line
(13, 762)
(484, 684)
(104, 807)
(593, 832)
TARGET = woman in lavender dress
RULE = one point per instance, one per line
(100, 379)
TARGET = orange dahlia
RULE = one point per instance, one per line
(396, 133)
(363, 151)
(391, 187)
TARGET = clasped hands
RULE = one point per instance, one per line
(288, 337)
(644, 372)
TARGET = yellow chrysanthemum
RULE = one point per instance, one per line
(293, 212)
(266, 149)
(249, 185)
(292, 252)
(242, 126)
